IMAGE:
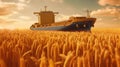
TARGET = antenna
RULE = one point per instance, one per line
(45, 8)
(88, 13)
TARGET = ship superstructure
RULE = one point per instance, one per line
(46, 21)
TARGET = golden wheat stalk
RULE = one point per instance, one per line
(68, 58)
(79, 62)
(43, 60)
(117, 55)
(51, 63)
(22, 62)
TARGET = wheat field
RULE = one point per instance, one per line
(25, 48)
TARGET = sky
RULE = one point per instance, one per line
(18, 14)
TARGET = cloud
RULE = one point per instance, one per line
(107, 17)
(24, 1)
(109, 2)
(55, 1)
(108, 12)
(9, 9)
(59, 1)
(20, 6)
(24, 18)
(4, 21)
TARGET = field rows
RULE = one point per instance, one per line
(59, 49)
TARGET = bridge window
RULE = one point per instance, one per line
(77, 25)
(84, 25)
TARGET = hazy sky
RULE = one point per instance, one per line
(19, 13)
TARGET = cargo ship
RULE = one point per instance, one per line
(46, 21)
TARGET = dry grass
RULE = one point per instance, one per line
(59, 49)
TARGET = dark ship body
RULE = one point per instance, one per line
(46, 21)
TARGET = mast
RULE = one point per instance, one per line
(88, 13)
(45, 8)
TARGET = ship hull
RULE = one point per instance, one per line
(75, 26)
